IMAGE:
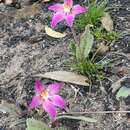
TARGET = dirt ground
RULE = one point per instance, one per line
(26, 50)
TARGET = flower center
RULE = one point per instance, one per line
(67, 8)
(44, 94)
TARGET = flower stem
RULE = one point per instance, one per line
(74, 36)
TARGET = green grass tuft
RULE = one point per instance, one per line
(88, 68)
(85, 66)
(93, 16)
(102, 34)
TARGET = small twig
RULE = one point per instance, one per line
(76, 91)
(116, 85)
(114, 53)
(97, 51)
(121, 54)
(101, 87)
(96, 112)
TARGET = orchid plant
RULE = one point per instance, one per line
(80, 51)
(48, 98)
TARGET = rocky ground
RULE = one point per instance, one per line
(26, 50)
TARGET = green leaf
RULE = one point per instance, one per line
(86, 42)
(123, 92)
(72, 48)
(33, 124)
(78, 54)
(82, 118)
(75, 51)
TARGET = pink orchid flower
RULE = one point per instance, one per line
(65, 11)
(48, 98)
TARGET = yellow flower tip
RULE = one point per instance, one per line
(44, 94)
(67, 8)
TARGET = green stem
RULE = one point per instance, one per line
(74, 36)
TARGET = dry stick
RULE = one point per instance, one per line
(92, 59)
(98, 112)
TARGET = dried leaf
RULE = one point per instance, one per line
(124, 71)
(6, 107)
(33, 124)
(123, 92)
(49, 31)
(65, 76)
(82, 118)
(102, 49)
(28, 11)
(46, 0)
(115, 86)
(9, 2)
(107, 22)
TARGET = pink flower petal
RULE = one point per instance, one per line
(54, 88)
(38, 86)
(58, 101)
(70, 19)
(77, 9)
(50, 109)
(69, 3)
(56, 7)
(36, 101)
(58, 17)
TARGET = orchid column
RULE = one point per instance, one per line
(66, 11)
